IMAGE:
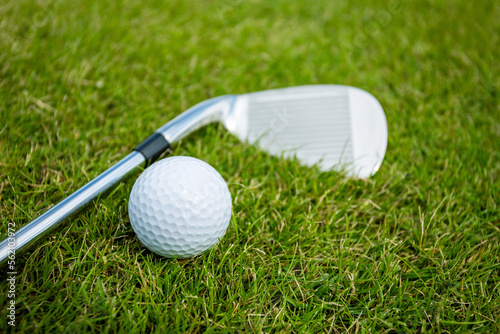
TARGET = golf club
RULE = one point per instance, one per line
(331, 126)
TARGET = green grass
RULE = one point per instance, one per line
(415, 248)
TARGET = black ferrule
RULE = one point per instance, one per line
(153, 147)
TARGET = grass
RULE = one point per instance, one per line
(415, 248)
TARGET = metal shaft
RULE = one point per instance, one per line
(42, 225)
(144, 154)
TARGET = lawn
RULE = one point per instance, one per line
(415, 248)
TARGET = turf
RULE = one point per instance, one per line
(415, 248)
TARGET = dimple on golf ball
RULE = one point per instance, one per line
(180, 207)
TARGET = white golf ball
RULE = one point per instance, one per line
(180, 207)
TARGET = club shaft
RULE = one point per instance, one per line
(29, 234)
(144, 154)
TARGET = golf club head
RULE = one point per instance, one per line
(332, 126)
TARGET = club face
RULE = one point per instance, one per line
(335, 127)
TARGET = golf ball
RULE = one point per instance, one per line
(180, 207)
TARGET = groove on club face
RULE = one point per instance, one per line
(314, 127)
(336, 127)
